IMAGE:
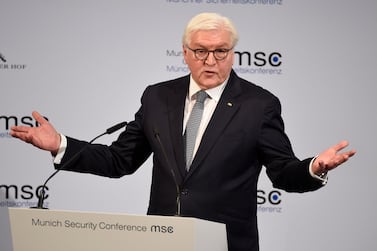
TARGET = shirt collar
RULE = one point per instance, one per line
(213, 93)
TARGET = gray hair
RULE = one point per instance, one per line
(209, 21)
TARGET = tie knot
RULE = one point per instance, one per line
(201, 96)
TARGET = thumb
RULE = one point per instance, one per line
(39, 118)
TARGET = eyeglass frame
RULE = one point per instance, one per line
(224, 50)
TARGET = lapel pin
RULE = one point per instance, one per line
(229, 104)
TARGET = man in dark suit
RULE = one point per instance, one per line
(241, 130)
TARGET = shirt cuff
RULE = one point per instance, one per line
(322, 177)
(63, 145)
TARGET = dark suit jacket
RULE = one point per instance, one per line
(246, 131)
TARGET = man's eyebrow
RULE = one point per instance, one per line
(222, 46)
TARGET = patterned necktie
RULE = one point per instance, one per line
(193, 126)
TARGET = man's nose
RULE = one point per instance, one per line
(210, 60)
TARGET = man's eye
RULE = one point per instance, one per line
(221, 50)
(201, 51)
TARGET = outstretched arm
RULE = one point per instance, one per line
(44, 136)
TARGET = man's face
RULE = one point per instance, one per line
(209, 73)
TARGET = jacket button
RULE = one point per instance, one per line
(184, 191)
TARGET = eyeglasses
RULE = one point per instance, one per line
(202, 54)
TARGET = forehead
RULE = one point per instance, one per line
(211, 38)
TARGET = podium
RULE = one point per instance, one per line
(58, 230)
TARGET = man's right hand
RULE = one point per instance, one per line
(44, 136)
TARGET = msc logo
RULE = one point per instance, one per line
(8, 121)
(26, 192)
(2, 58)
(269, 202)
(259, 58)
(273, 197)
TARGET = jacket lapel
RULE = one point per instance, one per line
(175, 103)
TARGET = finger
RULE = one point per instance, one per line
(20, 135)
(347, 155)
(39, 118)
(20, 129)
(341, 145)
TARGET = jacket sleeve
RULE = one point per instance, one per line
(124, 156)
(283, 168)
